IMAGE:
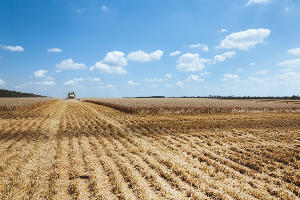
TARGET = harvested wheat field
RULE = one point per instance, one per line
(60, 149)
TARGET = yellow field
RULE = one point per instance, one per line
(80, 150)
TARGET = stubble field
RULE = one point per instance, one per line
(81, 150)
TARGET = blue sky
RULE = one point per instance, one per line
(110, 48)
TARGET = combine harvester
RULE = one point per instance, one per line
(71, 96)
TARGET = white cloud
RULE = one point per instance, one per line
(45, 83)
(40, 73)
(91, 79)
(2, 82)
(112, 63)
(223, 30)
(259, 80)
(224, 56)
(286, 9)
(290, 63)
(70, 64)
(141, 56)
(76, 81)
(154, 80)
(245, 39)
(12, 48)
(194, 77)
(264, 71)
(205, 48)
(132, 83)
(58, 71)
(169, 76)
(104, 68)
(252, 64)
(251, 2)
(239, 70)
(191, 62)
(81, 10)
(294, 52)
(204, 73)
(199, 45)
(175, 53)
(156, 55)
(179, 84)
(104, 8)
(115, 58)
(230, 77)
(54, 50)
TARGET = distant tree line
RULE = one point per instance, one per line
(293, 97)
(10, 93)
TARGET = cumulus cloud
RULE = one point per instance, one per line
(252, 64)
(76, 81)
(191, 62)
(113, 63)
(2, 82)
(264, 71)
(40, 73)
(224, 56)
(204, 73)
(141, 56)
(245, 39)
(199, 45)
(194, 77)
(70, 64)
(169, 76)
(47, 83)
(251, 2)
(294, 52)
(223, 30)
(104, 8)
(290, 63)
(179, 84)
(54, 50)
(230, 77)
(58, 71)
(132, 83)
(12, 48)
(175, 53)
(153, 80)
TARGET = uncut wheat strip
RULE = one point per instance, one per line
(267, 183)
(141, 185)
(158, 182)
(120, 186)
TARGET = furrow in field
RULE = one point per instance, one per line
(121, 187)
(141, 185)
(268, 184)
